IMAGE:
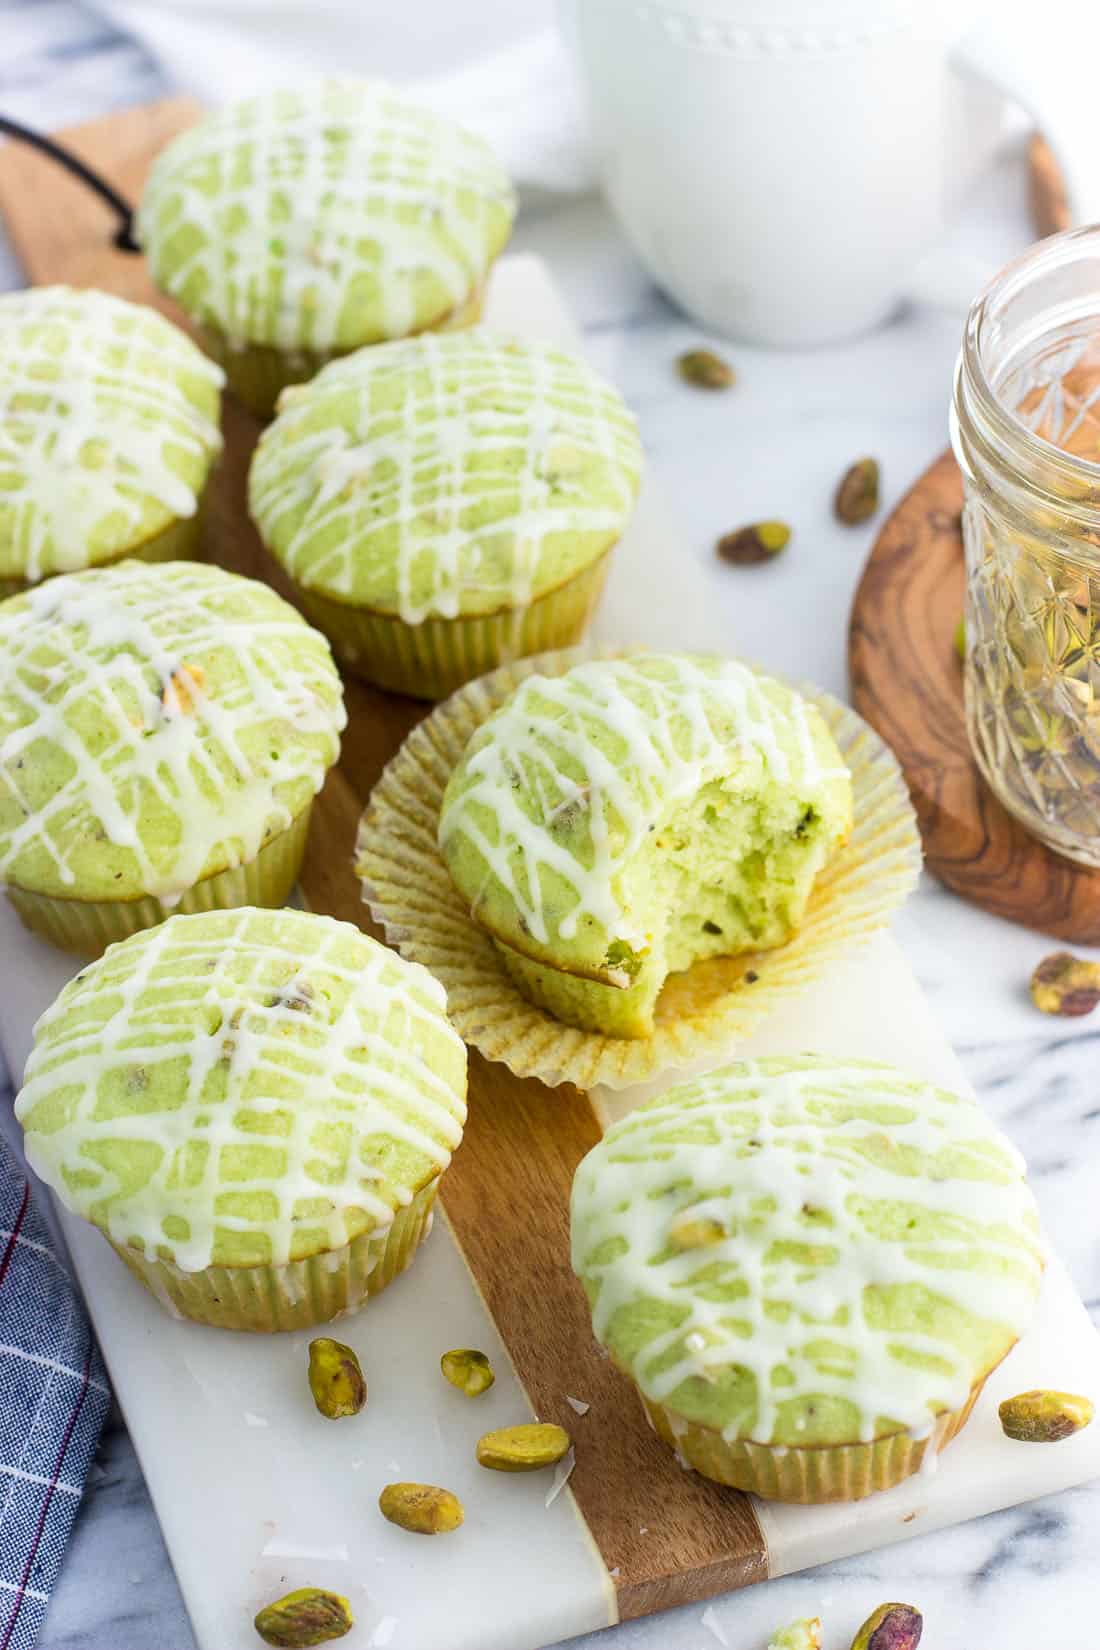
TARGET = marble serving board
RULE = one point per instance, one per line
(255, 1492)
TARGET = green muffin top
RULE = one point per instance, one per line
(108, 428)
(243, 1088)
(157, 725)
(324, 217)
(807, 1251)
(551, 818)
(454, 473)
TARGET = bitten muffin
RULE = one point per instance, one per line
(254, 1107)
(808, 1267)
(447, 503)
(163, 732)
(108, 434)
(615, 824)
(304, 223)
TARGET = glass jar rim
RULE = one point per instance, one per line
(1044, 256)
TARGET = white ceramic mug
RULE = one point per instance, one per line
(783, 166)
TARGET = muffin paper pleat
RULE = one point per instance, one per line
(257, 374)
(702, 1013)
(839, 1472)
(88, 927)
(181, 540)
(433, 658)
(267, 1299)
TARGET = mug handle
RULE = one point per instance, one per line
(1043, 72)
(1050, 71)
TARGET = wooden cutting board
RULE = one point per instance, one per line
(523, 1141)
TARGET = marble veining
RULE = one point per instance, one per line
(774, 446)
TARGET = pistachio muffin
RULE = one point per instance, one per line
(620, 822)
(304, 223)
(254, 1108)
(163, 732)
(108, 434)
(808, 1267)
(447, 503)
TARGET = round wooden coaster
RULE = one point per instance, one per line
(907, 682)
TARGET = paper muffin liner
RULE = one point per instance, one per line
(266, 1299)
(258, 373)
(838, 1472)
(88, 927)
(702, 1013)
(431, 659)
(181, 540)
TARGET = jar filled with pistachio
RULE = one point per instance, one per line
(1026, 431)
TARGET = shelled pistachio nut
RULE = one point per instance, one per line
(705, 370)
(760, 541)
(804, 1634)
(423, 1509)
(523, 1449)
(1042, 1417)
(1066, 985)
(468, 1370)
(303, 1618)
(856, 497)
(335, 1378)
(890, 1627)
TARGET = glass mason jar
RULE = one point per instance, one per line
(1026, 430)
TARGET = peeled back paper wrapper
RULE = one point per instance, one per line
(704, 1012)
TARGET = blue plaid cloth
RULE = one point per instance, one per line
(53, 1401)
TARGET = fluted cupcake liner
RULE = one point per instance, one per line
(837, 1472)
(267, 1299)
(88, 927)
(181, 540)
(431, 659)
(702, 1013)
(257, 374)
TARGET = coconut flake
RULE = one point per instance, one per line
(251, 1420)
(561, 1476)
(275, 1548)
(578, 1404)
(710, 1621)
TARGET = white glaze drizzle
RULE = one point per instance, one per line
(464, 420)
(90, 644)
(92, 403)
(750, 1148)
(296, 1057)
(262, 217)
(648, 732)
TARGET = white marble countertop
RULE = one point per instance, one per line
(773, 447)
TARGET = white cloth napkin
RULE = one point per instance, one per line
(521, 95)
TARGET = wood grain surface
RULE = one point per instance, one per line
(506, 1194)
(1049, 206)
(907, 682)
